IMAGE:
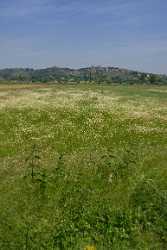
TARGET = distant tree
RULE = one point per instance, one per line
(152, 78)
(143, 77)
(20, 77)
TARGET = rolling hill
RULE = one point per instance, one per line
(96, 74)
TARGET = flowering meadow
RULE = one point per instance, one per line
(83, 166)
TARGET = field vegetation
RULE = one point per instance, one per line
(83, 167)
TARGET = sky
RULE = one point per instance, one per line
(77, 33)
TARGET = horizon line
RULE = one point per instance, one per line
(81, 67)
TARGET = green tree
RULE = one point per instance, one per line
(152, 79)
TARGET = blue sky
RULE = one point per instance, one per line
(75, 33)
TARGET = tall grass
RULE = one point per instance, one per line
(83, 168)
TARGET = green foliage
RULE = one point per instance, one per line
(89, 173)
(152, 79)
(99, 75)
(151, 203)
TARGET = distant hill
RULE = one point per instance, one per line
(93, 74)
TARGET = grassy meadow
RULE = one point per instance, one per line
(83, 167)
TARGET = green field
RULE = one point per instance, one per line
(83, 167)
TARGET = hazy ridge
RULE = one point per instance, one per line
(96, 73)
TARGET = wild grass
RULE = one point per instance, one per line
(83, 167)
